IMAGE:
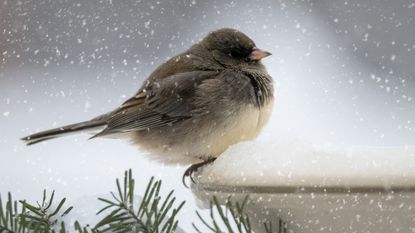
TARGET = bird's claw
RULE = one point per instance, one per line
(192, 168)
(188, 173)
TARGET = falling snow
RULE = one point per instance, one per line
(343, 73)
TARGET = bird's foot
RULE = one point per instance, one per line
(192, 168)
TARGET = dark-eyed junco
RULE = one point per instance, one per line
(194, 106)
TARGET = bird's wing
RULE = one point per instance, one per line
(160, 102)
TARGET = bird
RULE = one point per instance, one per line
(193, 106)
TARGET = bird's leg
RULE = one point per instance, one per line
(192, 168)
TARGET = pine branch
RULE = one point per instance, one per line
(22, 217)
(42, 217)
(233, 217)
(9, 217)
(152, 216)
(84, 229)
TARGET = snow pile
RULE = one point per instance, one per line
(261, 164)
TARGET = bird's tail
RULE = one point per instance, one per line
(93, 124)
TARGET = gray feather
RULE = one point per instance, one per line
(161, 102)
(65, 130)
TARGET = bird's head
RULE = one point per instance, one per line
(231, 47)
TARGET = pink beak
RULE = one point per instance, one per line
(258, 54)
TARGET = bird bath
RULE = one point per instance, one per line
(317, 188)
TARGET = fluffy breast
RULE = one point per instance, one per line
(209, 139)
(243, 126)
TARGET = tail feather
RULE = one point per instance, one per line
(63, 131)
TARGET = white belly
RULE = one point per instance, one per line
(244, 126)
(213, 139)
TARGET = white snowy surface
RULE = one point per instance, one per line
(316, 188)
(280, 165)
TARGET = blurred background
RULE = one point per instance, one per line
(344, 73)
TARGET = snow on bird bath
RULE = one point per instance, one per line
(316, 188)
(263, 164)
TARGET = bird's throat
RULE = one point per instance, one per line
(262, 83)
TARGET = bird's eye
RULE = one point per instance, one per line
(234, 54)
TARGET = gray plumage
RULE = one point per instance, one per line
(195, 105)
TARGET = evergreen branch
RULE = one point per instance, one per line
(34, 219)
(233, 217)
(42, 218)
(154, 215)
(9, 217)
